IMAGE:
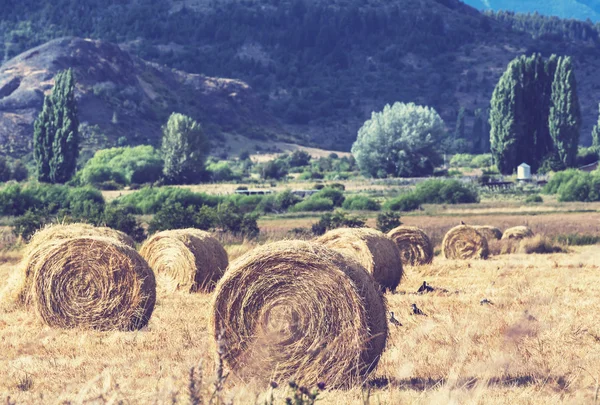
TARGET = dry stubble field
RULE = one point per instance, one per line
(538, 343)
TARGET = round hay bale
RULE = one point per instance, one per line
(465, 242)
(185, 259)
(489, 232)
(17, 291)
(299, 310)
(517, 232)
(414, 244)
(373, 250)
(92, 283)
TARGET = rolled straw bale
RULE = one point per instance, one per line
(92, 283)
(17, 290)
(517, 232)
(464, 242)
(374, 250)
(185, 259)
(299, 310)
(489, 232)
(414, 244)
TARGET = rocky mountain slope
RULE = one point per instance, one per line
(122, 99)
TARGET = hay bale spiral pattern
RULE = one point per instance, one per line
(299, 310)
(517, 232)
(17, 291)
(414, 244)
(185, 259)
(92, 283)
(464, 242)
(372, 249)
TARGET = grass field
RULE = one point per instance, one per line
(538, 343)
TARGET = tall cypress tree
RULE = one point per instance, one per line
(56, 136)
(478, 132)
(596, 133)
(459, 132)
(564, 120)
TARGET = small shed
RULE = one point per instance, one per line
(524, 172)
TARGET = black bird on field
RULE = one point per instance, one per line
(393, 320)
(417, 311)
(425, 288)
(485, 301)
(462, 222)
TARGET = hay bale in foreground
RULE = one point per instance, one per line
(489, 232)
(17, 289)
(373, 250)
(517, 232)
(185, 259)
(414, 244)
(464, 242)
(299, 310)
(92, 283)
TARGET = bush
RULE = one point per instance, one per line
(534, 199)
(28, 223)
(461, 160)
(482, 161)
(19, 171)
(122, 219)
(313, 204)
(86, 204)
(125, 165)
(274, 169)
(150, 200)
(338, 219)
(558, 179)
(445, 192)
(221, 172)
(388, 220)
(299, 158)
(578, 240)
(404, 202)
(335, 195)
(360, 203)
(172, 215)
(5, 173)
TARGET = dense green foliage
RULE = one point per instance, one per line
(126, 165)
(575, 185)
(184, 150)
(388, 220)
(596, 133)
(149, 200)
(473, 161)
(403, 141)
(360, 203)
(337, 219)
(535, 114)
(433, 192)
(56, 136)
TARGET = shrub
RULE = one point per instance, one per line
(534, 199)
(335, 195)
(445, 192)
(285, 200)
(171, 216)
(388, 220)
(28, 223)
(313, 204)
(125, 165)
(461, 160)
(404, 202)
(221, 172)
(273, 169)
(299, 158)
(360, 203)
(122, 219)
(578, 240)
(150, 200)
(86, 204)
(558, 179)
(5, 174)
(539, 244)
(19, 171)
(482, 161)
(338, 219)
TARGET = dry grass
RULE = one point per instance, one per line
(538, 343)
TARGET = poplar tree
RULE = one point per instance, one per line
(184, 149)
(596, 133)
(56, 136)
(564, 120)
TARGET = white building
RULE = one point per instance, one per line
(524, 172)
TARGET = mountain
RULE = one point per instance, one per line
(121, 99)
(576, 9)
(318, 68)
